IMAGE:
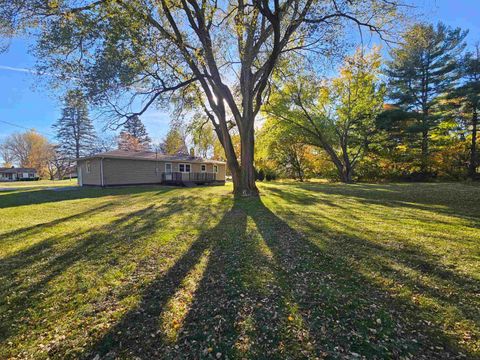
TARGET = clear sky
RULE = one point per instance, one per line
(27, 105)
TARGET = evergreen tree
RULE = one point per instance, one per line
(421, 69)
(134, 132)
(75, 131)
(469, 95)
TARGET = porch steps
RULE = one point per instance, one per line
(189, 184)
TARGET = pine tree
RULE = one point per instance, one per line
(421, 69)
(465, 101)
(134, 132)
(75, 131)
(471, 92)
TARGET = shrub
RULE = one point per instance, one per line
(270, 175)
(259, 175)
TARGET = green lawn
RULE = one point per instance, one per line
(37, 184)
(309, 270)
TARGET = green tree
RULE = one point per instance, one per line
(281, 148)
(224, 51)
(75, 131)
(421, 69)
(468, 104)
(174, 142)
(203, 137)
(338, 115)
(134, 132)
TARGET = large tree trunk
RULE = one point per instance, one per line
(245, 184)
(425, 155)
(347, 176)
(347, 165)
(300, 175)
(243, 173)
(472, 168)
(344, 172)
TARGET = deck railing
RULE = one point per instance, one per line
(179, 177)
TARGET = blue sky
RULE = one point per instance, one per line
(26, 105)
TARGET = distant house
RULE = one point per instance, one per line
(18, 174)
(120, 167)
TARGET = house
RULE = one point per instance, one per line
(120, 167)
(17, 174)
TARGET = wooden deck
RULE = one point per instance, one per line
(184, 178)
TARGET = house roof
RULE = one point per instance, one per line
(149, 155)
(16, 170)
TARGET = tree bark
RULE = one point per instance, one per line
(344, 170)
(243, 173)
(347, 176)
(472, 168)
(425, 154)
(245, 185)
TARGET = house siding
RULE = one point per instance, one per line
(119, 171)
(93, 177)
(131, 172)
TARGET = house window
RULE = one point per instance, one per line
(215, 169)
(184, 168)
(89, 166)
(168, 167)
(203, 168)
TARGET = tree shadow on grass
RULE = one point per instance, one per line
(253, 287)
(138, 332)
(32, 197)
(444, 199)
(234, 308)
(26, 277)
(423, 331)
(8, 237)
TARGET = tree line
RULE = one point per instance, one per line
(232, 62)
(215, 57)
(413, 116)
(75, 137)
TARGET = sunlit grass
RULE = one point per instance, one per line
(37, 184)
(178, 305)
(310, 270)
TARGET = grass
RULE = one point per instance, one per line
(308, 271)
(37, 184)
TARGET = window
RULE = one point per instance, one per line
(168, 167)
(203, 168)
(89, 166)
(184, 168)
(215, 169)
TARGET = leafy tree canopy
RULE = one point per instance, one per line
(219, 55)
(337, 115)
